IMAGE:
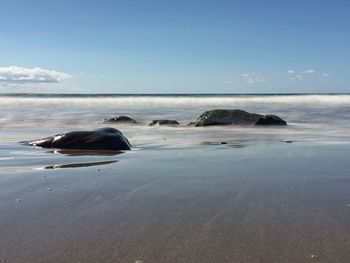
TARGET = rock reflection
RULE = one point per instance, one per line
(77, 152)
(79, 165)
(227, 144)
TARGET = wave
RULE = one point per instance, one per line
(154, 101)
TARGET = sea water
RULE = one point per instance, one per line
(311, 118)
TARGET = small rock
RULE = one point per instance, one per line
(18, 200)
(270, 120)
(164, 122)
(121, 119)
(49, 189)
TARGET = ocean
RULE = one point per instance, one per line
(311, 118)
(308, 115)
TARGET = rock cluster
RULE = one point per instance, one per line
(236, 117)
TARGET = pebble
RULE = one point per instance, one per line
(19, 200)
(313, 256)
(49, 189)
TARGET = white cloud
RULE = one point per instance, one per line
(326, 75)
(252, 78)
(299, 75)
(20, 75)
(308, 71)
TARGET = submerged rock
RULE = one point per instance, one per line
(121, 119)
(164, 122)
(270, 120)
(100, 139)
(236, 117)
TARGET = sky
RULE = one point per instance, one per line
(161, 46)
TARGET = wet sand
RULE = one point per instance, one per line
(260, 202)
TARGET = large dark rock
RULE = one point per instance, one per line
(100, 139)
(120, 119)
(225, 117)
(164, 122)
(236, 117)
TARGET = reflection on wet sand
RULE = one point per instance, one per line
(78, 152)
(78, 165)
(227, 144)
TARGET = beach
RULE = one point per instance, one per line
(269, 194)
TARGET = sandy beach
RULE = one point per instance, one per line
(274, 202)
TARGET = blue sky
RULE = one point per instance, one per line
(174, 46)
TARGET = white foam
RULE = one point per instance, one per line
(307, 116)
(176, 101)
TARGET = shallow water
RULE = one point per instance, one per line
(324, 119)
(23, 116)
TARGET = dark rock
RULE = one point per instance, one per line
(270, 120)
(121, 119)
(236, 117)
(191, 123)
(100, 139)
(226, 117)
(164, 122)
(223, 143)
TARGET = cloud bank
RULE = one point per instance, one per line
(299, 75)
(20, 75)
(252, 78)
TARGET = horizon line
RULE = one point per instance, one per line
(167, 94)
